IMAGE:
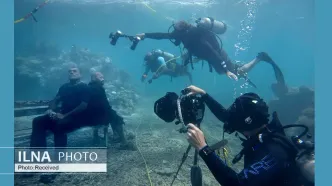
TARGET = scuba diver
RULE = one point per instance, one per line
(270, 158)
(163, 63)
(201, 41)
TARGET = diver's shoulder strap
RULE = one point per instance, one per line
(212, 22)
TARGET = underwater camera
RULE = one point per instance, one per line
(185, 108)
(115, 36)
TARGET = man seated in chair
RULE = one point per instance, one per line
(74, 98)
(102, 112)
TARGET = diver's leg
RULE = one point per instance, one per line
(163, 71)
(169, 72)
(116, 135)
(120, 132)
(67, 125)
(249, 66)
(217, 59)
(262, 56)
(40, 125)
(183, 71)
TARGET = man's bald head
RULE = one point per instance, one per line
(97, 77)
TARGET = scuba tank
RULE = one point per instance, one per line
(211, 24)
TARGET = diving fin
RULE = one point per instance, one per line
(278, 74)
(280, 88)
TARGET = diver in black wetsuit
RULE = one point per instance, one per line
(265, 164)
(203, 44)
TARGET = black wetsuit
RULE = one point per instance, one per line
(100, 111)
(70, 96)
(265, 164)
(202, 44)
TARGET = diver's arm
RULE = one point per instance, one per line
(147, 70)
(145, 74)
(158, 36)
(222, 173)
(261, 172)
(162, 68)
(216, 108)
(53, 104)
(78, 109)
(85, 96)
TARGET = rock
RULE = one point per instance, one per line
(310, 112)
(290, 106)
(297, 106)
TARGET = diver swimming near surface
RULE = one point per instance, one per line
(163, 63)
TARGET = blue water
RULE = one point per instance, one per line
(283, 28)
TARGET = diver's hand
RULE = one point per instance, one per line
(231, 75)
(59, 116)
(143, 78)
(142, 36)
(195, 90)
(155, 76)
(51, 114)
(195, 137)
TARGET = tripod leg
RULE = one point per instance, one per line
(196, 172)
(184, 157)
(196, 158)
